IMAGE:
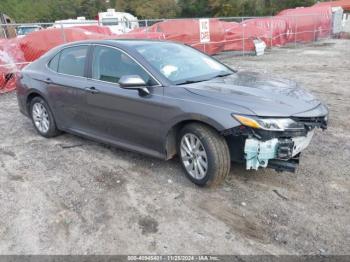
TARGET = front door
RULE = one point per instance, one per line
(123, 116)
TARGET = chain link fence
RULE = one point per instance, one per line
(23, 43)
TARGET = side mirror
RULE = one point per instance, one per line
(131, 82)
(134, 82)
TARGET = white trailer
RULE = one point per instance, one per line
(74, 22)
(118, 22)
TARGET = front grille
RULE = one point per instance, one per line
(309, 119)
(320, 121)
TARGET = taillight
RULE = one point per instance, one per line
(19, 75)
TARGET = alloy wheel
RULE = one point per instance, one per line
(41, 117)
(193, 156)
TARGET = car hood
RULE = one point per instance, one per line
(263, 95)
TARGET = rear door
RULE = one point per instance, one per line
(67, 86)
(123, 116)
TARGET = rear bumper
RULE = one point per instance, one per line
(21, 93)
(22, 105)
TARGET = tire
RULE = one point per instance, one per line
(43, 121)
(217, 153)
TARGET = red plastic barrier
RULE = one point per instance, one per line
(240, 36)
(273, 30)
(307, 24)
(345, 4)
(141, 34)
(173, 30)
(11, 60)
(36, 44)
(104, 30)
(17, 52)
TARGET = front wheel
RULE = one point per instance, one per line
(204, 155)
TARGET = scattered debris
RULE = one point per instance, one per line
(279, 194)
(180, 196)
(7, 152)
(244, 204)
(70, 146)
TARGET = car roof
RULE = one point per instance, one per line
(127, 43)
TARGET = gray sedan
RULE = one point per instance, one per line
(165, 99)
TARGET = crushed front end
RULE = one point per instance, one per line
(272, 142)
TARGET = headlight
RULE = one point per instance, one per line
(271, 124)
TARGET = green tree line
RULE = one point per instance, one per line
(51, 10)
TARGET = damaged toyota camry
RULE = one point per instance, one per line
(165, 99)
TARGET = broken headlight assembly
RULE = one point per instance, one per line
(279, 149)
(270, 124)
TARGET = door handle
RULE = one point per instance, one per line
(92, 90)
(48, 80)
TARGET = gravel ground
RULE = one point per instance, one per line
(68, 195)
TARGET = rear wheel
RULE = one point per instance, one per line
(42, 118)
(204, 155)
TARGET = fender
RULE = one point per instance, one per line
(169, 134)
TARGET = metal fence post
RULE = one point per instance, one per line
(5, 31)
(271, 32)
(205, 44)
(243, 42)
(330, 30)
(295, 31)
(314, 22)
(63, 34)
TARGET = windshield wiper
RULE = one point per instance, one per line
(224, 74)
(191, 82)
(202, 80)
(220, 75)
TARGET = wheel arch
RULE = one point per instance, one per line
(36, 93)
(30, 96)
(171, 137)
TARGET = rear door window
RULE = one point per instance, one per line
(72, 61)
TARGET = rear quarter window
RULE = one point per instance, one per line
(53, 64)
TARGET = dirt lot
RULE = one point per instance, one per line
(72, 196)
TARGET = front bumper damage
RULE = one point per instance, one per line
(281, 154)
(272, 149)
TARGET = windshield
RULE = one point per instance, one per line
(26, 30)
(110, 21)
(182, 64)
